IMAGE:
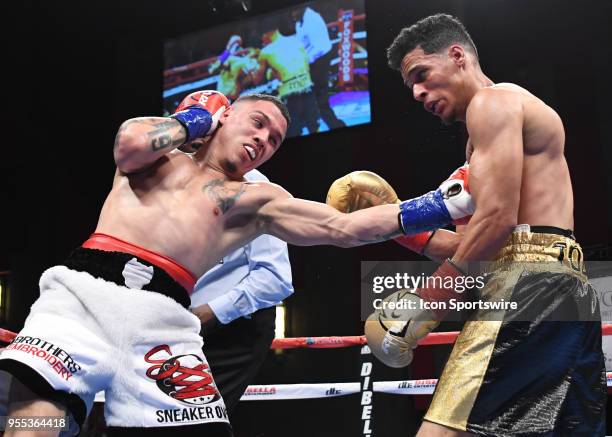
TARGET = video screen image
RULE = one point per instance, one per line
(312, 56)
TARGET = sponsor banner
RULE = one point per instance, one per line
(313, 391)
(346, 47)
(414, 387)
(299, 391)
(367, 389)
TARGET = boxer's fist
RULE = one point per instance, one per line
(364, 189)
(392, 334)
(211, 101)
(199, 113)
(450, 203)
(456, 192)
(360, 190)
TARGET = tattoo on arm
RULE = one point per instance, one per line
(162, 137)
(224, 196)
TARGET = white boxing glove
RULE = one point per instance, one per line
(393, 333)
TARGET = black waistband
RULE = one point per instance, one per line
(109, 266)
(553, 230)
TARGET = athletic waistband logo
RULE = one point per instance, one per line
(185, 378)
(136, 274)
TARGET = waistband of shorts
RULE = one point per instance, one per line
(541, 244)
(543, 229)
(112, 244)
(110, 265)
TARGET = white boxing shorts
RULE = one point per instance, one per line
(89, 332)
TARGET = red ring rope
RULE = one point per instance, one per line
(333, 342)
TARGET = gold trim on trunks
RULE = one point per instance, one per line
(554, 252)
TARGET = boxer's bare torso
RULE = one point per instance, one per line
(546, 196)
(184, 210)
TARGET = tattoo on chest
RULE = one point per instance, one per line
(224, 195)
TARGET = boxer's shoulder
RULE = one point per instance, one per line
(174, 168)
(264, 191)
(492, 110)
(504, 98)
(247, 197)
(511, 96)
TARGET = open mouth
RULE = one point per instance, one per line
(250, 151)
(433, 107)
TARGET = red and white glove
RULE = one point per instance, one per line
(450, 203)
(199, 113)
(457, 199)
(456, 192)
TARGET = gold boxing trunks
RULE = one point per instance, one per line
(538, 370)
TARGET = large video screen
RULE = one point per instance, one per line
(313, 56)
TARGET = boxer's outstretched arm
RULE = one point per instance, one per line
(142, 141)
(306, 223)
(442, 245)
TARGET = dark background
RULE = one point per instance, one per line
(78, 69)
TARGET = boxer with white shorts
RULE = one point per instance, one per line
(178, 212)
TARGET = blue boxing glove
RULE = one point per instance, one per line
(450, 203)
(199, 113)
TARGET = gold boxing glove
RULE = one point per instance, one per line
(364, 189)
(359, 190)
(393, 331)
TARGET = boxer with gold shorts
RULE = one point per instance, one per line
(538, 368)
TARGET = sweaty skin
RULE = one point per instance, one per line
(196, 209)
(518, 173)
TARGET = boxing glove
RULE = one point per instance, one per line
(450, 203)
(199, 114)
(364, 189)
(393, 331)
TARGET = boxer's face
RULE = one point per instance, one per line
(251, 132)
(435, 80)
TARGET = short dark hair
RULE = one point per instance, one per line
(433, 34)
(268, 98)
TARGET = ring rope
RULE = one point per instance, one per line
(324, 390)
(433, 338)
